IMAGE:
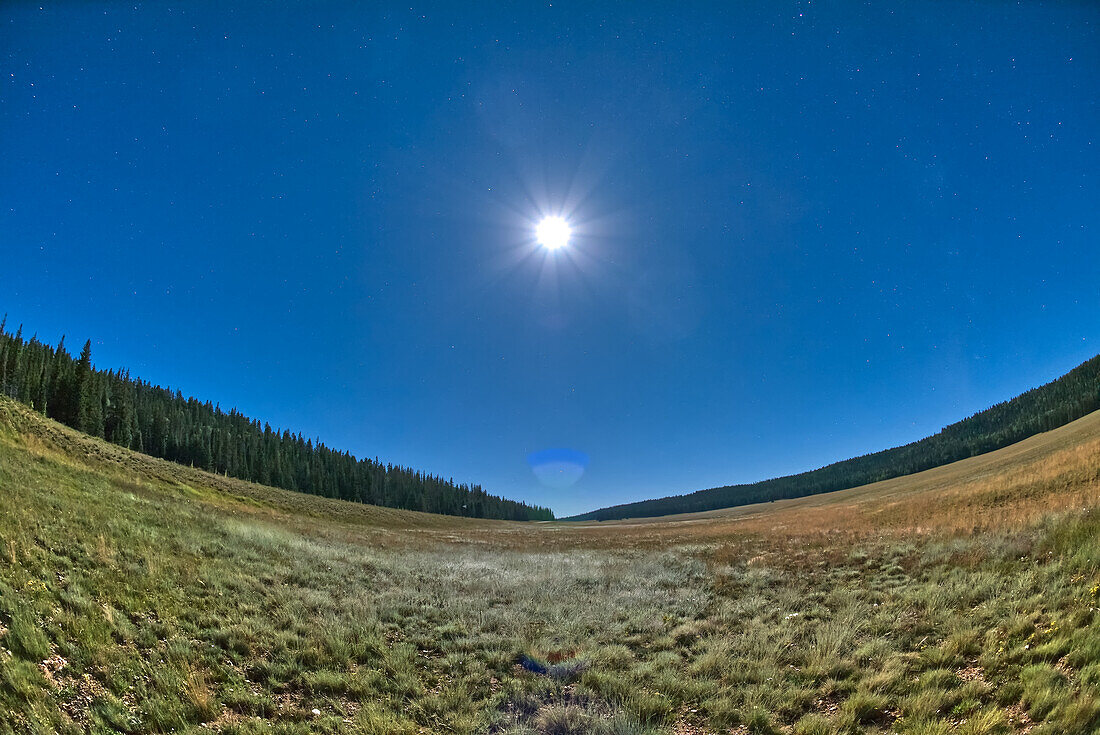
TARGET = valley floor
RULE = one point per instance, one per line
(139, 596)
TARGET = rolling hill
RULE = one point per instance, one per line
(137, 414)
(1057, 403)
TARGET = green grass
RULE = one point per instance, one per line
(134, 602)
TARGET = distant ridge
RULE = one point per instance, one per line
(1047, 407)
(138, 415)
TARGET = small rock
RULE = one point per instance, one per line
(316, 712)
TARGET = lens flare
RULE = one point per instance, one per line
(558, 468)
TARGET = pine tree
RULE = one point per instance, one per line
(90, 395)
(120, 416)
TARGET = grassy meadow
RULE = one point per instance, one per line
(139, 596)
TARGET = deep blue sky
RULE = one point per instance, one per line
(804, 231)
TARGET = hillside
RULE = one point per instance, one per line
(139, 596)
(1043, 474)
(1054, 404)
(136, 414)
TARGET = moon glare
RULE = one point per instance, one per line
(553, 233)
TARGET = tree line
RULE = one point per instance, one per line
(138, 415)
(1040, 409)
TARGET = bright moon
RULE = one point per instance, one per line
(553, 233)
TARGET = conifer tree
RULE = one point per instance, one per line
(89, 400)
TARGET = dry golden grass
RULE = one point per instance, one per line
(1009, 488)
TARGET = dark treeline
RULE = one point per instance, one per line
(138, 415)
(1057, 403)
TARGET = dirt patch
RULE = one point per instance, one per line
(1018, 719)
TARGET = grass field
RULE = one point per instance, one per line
(140, 596)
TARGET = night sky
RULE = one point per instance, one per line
(801, 231)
